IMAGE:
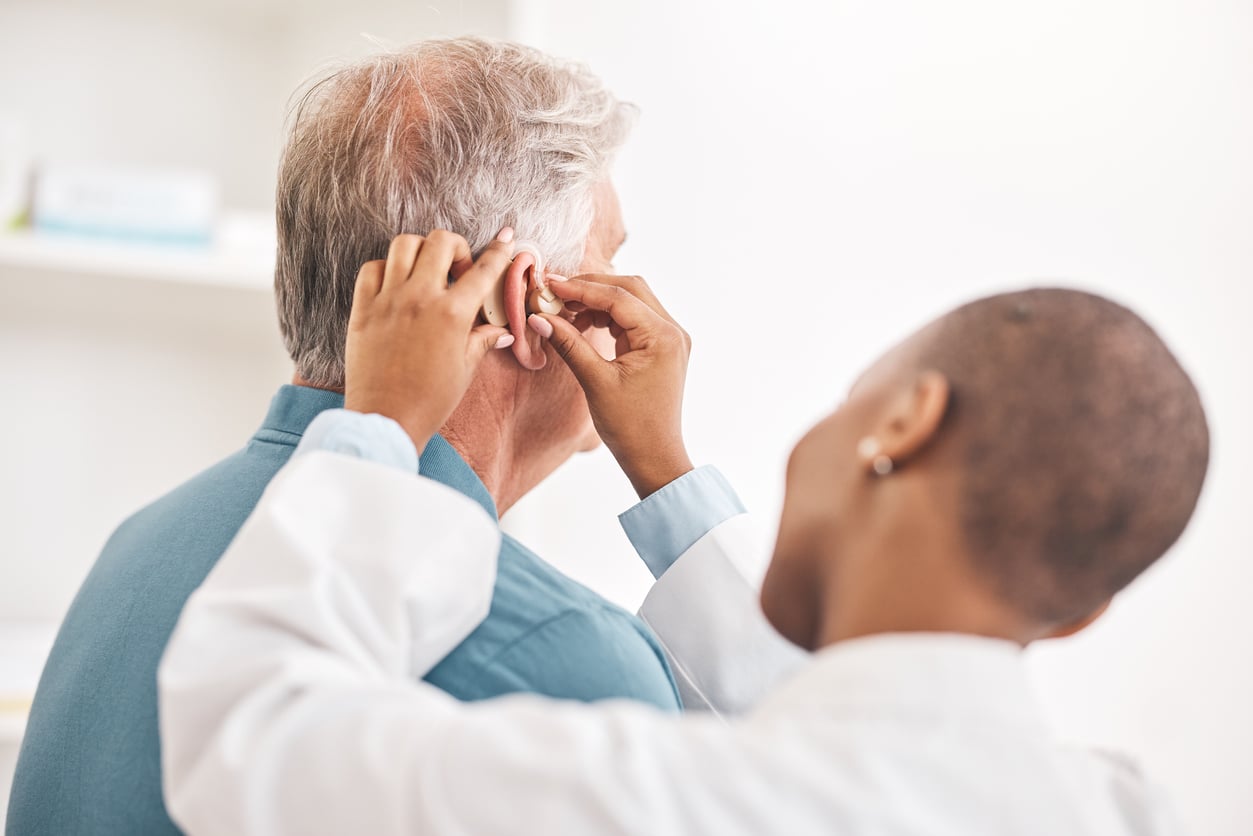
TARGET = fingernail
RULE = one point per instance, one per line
(540, 325)
(506, 235)
(553, 277)
(504, 341)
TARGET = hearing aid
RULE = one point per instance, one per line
(540, 298)
(520, 291)
(494, 305)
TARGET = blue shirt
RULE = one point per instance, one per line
(90, 759)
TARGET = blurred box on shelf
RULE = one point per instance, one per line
(241, 254)
(155, 206)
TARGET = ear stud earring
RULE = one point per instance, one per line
(870, 450)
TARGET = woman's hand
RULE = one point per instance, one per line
(636, 400)
(412, 342)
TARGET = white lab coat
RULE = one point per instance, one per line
(290, 703)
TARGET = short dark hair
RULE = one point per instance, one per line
(1083, 445)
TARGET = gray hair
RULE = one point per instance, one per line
(466, 134)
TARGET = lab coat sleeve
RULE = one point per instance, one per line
(313, 607)
(289, 702)
(705, 611)
(702, 547)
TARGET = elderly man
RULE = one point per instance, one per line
(466, 134)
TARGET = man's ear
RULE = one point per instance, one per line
(914, 417)
(527, 346)
(1070, 628)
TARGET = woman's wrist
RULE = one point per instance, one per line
(649, 474)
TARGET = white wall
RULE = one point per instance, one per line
(193, 83)
(126, 388)
(112, 83)
(877, 163)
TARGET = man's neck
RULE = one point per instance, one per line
(491, 432)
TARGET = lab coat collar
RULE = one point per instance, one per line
(293, 408)
(942, 674)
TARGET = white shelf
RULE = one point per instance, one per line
(24, 647)
(12, 726)
(241, 257)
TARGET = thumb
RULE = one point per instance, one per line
(582, 358)
(484, 338)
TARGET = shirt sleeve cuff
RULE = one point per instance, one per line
(374, 438)
(667, 523)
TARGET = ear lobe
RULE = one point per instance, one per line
(528, 348)
(1069, 629)
(915, 418)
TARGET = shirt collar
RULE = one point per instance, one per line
(939, 673)
(293, 408)
(441, 462)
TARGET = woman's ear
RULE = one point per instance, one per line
(1071, 627)
(528, 348)
(913, 419)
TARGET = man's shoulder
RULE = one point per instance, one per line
(548, 634)
(549, 596)
(196, 516)
(131, 598)
(161, 553)
(101, 673)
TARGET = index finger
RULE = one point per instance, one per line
(636, 285)
(623, 307)
(440, 252)
(478, 281)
